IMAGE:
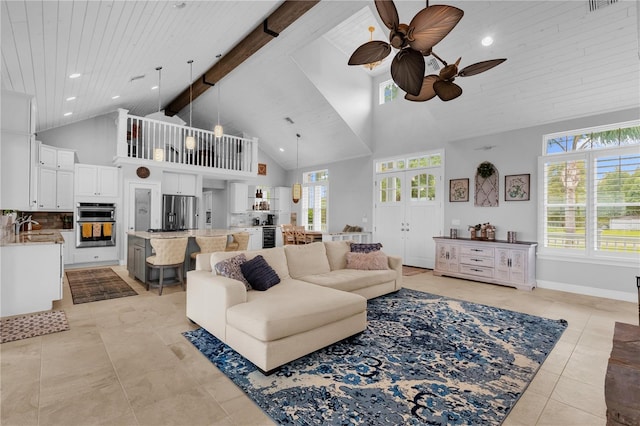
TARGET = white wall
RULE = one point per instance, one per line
(94, 139)
(517, 152)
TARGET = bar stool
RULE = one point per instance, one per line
(240, 242)
(170, 253)
(209, 245)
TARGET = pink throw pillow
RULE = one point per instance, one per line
(374, 260)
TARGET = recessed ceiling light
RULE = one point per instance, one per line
(154, 87)
(281, 149)
(66, 114)
(75, 75)
(487, 41)
(71, 98)
(115, 97)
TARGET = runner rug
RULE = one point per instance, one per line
(25, 326)
(91, 285)
(424, 359)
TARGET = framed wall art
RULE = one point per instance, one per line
(517, 187)
(458, 190)
(262, 169)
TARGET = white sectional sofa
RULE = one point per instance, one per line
(317, 302)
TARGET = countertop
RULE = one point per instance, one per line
(179, 234)
(45, 236)
(479, 240)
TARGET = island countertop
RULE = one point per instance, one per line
(179, 234)
(47, 236)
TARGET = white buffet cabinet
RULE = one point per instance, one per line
(496, 262)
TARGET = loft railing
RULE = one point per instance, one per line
(149, 139)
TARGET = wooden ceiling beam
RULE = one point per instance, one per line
(288, 12)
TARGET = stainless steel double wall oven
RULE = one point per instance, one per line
(95, 225)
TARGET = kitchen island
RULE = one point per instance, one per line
(139, 248)
(32, 271)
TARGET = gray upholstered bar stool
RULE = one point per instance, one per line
(170, 253)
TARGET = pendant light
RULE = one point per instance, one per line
(217, 131)
(296, 191)
(190, 141)
(158, 153)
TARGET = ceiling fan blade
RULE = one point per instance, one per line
(388, 13)
(407, 70)
(431, 25)
(369, 52)
(426, 92)
(446, 90)
(479, 67)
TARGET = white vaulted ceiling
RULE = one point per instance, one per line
(562, 62)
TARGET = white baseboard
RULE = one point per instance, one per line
(589, 291)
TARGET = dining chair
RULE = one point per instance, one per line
(170, 253)
(301, 235)
(288, 235)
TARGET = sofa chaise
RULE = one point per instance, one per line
(319, 301)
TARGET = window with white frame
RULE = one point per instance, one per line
(388, 91)
(590, 192)
(315, 198)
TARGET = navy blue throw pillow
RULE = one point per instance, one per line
(260, 275)
(365, 247)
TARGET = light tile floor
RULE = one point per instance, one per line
(124, 362)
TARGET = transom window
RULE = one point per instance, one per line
(591, 192)
(388, 92)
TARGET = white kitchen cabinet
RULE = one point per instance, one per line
(31, 278)
(255, 241)
(496, 262)
(47, 156)
(18, 113)
(18, 178)
(178, 184)
(55, 158)
(238, 196)
(69, 246)
(282, 195)
(55, 189)
(96, 181)
(95, 254)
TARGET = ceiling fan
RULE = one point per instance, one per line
(415, 41)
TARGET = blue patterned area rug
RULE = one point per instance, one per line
(424, 359)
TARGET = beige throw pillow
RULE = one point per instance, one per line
(375, 260)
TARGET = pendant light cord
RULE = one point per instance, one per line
(190, 62)
(297, 149)
(159, 69)
(218, 103)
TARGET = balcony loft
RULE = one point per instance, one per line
(145, 141)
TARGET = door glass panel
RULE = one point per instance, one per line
(390, 190)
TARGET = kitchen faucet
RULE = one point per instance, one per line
(22, 220)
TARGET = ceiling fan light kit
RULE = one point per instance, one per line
(414, 42)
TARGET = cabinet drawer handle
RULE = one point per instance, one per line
(476, 270)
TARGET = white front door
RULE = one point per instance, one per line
(408, 214)
(389, 215)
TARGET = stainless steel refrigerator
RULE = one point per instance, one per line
(179, 212)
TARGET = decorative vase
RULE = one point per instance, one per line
(473, 234)
(483, 234)
(491, 234)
